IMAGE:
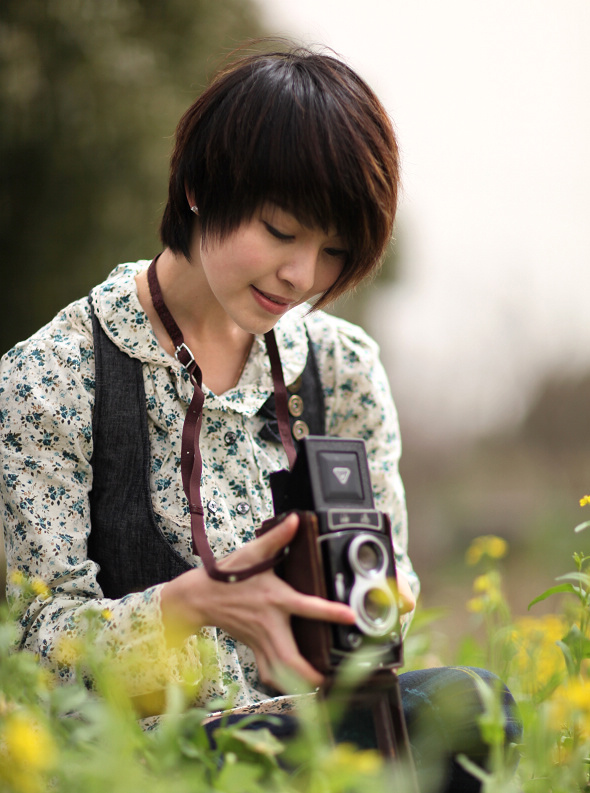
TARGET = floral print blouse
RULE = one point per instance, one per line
(46, 406)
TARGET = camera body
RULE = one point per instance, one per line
(342, 551)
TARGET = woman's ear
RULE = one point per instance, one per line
(190, 197)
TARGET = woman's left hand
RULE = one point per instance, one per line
(406, 599)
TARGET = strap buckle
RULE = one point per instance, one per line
(185, 351)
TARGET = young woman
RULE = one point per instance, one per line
(140, 426)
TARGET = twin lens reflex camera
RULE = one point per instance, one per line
(343, 551)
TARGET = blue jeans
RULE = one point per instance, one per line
(441, 707)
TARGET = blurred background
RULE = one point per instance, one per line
(481, 308)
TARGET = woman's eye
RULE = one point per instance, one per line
(337, 252)
(276, 233)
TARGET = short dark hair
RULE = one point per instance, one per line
(296, 128)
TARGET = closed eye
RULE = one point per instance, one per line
(278, 234)
(337, 252)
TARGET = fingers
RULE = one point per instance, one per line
(276, 538)
(407, 601)
(317, 608)
(281, 665)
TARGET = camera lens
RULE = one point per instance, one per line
(371, 597)
(370, 556)
(367, 555)
(377, 606)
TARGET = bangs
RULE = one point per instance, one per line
(288, 150)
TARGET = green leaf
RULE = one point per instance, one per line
(582, 526)
(578, 643)
(239, 776)
(554, 590)
(261, 741)
(582, 578)
(569, 658)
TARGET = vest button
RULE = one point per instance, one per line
(300, 430)
(295, 405)
(212, 506)
(243, 508)
(230, 438)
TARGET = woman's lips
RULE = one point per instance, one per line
(271, 303)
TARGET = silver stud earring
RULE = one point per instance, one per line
(195, 209)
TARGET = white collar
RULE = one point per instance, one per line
(126, 324)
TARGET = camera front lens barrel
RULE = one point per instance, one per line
(370, 556)
(367, 555)
(375, 607)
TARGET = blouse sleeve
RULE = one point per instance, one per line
(46, 400)
(359, 405)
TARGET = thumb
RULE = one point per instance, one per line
(263, 547)
(280, 535)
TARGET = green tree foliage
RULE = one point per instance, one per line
(90, 94)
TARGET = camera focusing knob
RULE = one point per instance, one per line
(354, 639)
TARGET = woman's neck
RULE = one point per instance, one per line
(220, 347)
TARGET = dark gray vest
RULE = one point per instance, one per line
(125, 540)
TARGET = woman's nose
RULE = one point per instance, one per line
(299, 271)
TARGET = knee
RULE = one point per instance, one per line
(496, 700)
(451, 701)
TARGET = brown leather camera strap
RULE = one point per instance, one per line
(281, 397)
(191, 461)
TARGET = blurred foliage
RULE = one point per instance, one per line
(67, 738)
(90, 95)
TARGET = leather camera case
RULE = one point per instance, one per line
(301, 567)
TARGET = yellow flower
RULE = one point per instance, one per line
(40, 588)
(585, 500)
(578, 693)
(27, 742)
(17, 577)
(488, 588)
(570, 706)
(476, 605)
(537, 658)
(346, 757)
(486, 545)
(484, 584)
(107, 615)
(27, 754)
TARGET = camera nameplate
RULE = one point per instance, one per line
(340, 519)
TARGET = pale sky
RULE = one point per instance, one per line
(491, 102)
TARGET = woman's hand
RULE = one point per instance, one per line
(256, 611)
(406, 599)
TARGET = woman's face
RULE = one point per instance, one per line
(268, 265)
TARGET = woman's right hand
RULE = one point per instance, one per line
(256, 611)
